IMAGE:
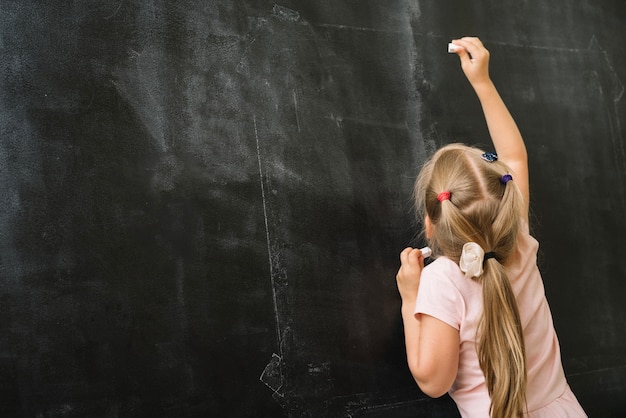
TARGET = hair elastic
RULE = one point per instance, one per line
(506, 178)
(489, 255)
(490, 156)
(443, 196)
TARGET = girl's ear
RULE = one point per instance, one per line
(430, 228)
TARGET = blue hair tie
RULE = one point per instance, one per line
(506, 178)
(490, 157)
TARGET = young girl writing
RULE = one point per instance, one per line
(476, 320)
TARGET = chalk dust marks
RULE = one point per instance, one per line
(272, 374)
(295, 104)
(267, 228)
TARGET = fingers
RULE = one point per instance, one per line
(404, 255)
(409, 273)
(473, 48)
(474, 60)
(411, 256)
(472, 44)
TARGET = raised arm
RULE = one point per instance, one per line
(503, 130)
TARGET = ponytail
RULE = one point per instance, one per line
(501, 351)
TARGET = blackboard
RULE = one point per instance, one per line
(203, 202)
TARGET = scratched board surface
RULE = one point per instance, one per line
(204, 202)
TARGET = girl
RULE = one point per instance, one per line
(476, 320)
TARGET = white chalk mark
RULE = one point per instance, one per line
(271, 376)
(267, 234)
(337, 119)
(116, 11)
(362, 121)
(600, 370)
(538, 47)
(285, 13)
(356, 28)
(295, 103)
(147, 107)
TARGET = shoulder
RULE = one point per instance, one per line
(443, 279)
(443, 270)
(523, 264)
(527, 245)
(443, 267)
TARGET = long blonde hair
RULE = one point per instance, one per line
(483, 210)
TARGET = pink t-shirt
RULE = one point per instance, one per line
(446, 294)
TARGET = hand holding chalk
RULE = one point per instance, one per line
(453, 48)
(408, 277)
(474, 60)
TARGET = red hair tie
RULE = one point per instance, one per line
(443, 196)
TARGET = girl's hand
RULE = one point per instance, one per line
(474, 60)
(408, 277)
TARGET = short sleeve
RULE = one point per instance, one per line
(439, 298)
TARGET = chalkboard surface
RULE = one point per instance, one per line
(203, 202)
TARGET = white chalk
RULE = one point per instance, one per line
(426, 252)
(452, 48)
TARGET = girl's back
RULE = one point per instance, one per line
(445, 293)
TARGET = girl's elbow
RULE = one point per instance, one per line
(431, 383)
(432, 389)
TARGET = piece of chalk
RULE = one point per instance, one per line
(452, 48)
(426, 252)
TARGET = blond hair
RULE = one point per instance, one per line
(483, 210)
